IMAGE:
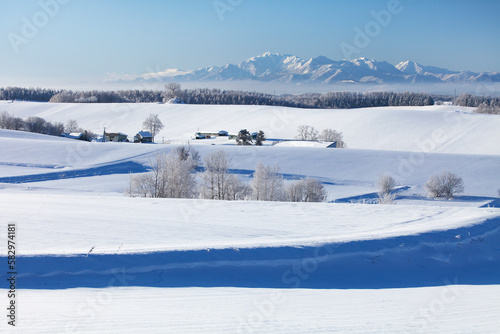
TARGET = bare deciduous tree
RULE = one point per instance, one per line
(172, 90)
(385, 184)
(267, 184)
(35, 124)
(188, 152)
(306, 190)
(153, 124)
(445, 184)
(72, 126)
(306, 132)
(214, 181)
(333, 136)
(236, 189)
(171, 177)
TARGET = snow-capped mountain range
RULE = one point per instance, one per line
(277, 67)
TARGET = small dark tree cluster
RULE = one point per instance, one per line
(261, 137)
(244, 138)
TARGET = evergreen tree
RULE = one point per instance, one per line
(244, 137)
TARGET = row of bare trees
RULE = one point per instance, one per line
(40, 125)
(307, 132)
(173, 176)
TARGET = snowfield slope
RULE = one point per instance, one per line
(440, 129)
(238, 266)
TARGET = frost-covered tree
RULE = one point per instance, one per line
(236, 189)
(386, 198)
(172, 90)
(306, 190)
(306, 132)
(215, 178)
(153, 124)
(261, 137)
(171, 177)
(445, 184)
(267, 184)
(333, 136)
(6, 121)
(244, 137)
(385, 184)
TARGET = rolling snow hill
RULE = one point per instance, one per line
(436, 129)
(101, 262)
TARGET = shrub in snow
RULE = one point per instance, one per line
(386, 198)
(306, 190)
(445, 184)
(385, 184)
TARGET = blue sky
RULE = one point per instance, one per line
(86, 39)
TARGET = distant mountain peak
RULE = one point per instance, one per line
(277, 67)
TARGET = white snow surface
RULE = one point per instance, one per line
(440, 129)
(101, 262)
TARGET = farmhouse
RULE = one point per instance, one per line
(116, 137)
(143, 137)
(73, 135)
(205, 135)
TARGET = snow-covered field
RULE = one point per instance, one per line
(94, 260)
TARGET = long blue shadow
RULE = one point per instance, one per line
(468, 255)
(124, 167)
(367, 197)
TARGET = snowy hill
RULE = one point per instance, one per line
(89, 254)
(275, 67)
(439, 129)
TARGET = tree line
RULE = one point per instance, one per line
(338, 100)
(484, 104)
(39, 125)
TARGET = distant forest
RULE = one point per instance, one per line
(337, 100)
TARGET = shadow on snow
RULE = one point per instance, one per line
(468, 255)
(124, 167)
